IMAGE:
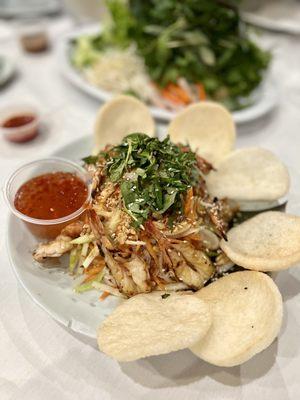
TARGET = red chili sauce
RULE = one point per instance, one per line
(20, 128)
(18, 120)
(50, 196)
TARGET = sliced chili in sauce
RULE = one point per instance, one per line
(52, 195)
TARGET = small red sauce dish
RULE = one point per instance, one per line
(48, 194)
(19, 123)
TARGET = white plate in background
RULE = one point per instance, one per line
(264, 99)
(275, 15)
(29, 8)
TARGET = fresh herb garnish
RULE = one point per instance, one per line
(153, 175)
(165, 295)
(203, 41)
(90, 159)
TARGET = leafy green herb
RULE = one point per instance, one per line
(153, 175)
(90, 159)
(131, 92)
(202, 41)
(165, 295)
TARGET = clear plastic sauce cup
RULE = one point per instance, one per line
(45, 228)
(24, 132)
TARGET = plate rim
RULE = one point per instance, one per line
(66, 323)
(20, 281)
(19, 11)
(270, 24)
(49, 311)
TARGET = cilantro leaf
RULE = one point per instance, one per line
(90, 159)
(152, 174)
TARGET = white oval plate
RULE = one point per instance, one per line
(51, 288)
(276, 16)
(265, 98)
(18, 9)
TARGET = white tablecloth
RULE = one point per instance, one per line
(40, 359)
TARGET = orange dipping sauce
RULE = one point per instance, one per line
(51, 196)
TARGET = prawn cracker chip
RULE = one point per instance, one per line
(152, 324)
(119, 117)
(247, 316)
(249, 174)
(207, 127)
(270, 241)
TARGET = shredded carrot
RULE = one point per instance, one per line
(123, 248)
(171, 97)
(151, 250)
(90, 278)
(104, 295)
(179, 92)
(201, 91)
(189, 205)
(94, 270)
(162, 241)
(97, 263)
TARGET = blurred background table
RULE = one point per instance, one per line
(42, 360)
